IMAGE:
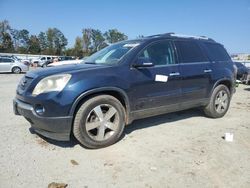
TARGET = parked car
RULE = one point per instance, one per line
(45, 64)
(15, 58)
(42, 61)
(10, 65)
(241, 70)
(125, 81)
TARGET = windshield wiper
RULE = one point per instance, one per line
(90, 63)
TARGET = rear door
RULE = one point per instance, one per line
(158, 85)
(195, 69)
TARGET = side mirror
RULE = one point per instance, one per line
(143, 62)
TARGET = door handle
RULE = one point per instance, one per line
(207, 70)
(174, 74)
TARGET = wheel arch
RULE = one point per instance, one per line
(118, 93)
(16, 66)
(224, 81)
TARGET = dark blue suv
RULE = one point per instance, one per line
(128, 80)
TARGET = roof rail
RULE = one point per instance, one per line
(172, 34)
(158, 35)
(189, 36)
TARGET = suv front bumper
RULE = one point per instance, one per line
(57, 128)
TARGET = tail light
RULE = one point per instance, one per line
(235, 70)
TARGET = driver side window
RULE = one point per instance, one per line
(160, 53)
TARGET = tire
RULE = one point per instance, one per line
(16, 70)
(219, 102)
(92, 129)
(44, 66)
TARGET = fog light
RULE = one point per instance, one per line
(39, 109)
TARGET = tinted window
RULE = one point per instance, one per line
(189, 51)
(5, 60)
(43, 58)
(217, 52)
(160, 53)
(48, 57)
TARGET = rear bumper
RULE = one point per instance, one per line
(57, 128)
(246, 78)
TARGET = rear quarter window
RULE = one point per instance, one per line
(189, 52)
(216, 52)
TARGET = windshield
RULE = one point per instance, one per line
(111, 54)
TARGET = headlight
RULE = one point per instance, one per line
(51, 83)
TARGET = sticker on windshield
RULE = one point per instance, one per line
(130, 45)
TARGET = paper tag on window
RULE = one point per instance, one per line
(161, 78)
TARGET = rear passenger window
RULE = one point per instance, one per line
(160, 53)
(189, 52)
(217, 52)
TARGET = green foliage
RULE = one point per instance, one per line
(53, 41)
(248, 57)
(94, 39)
(69, 52)
(98, 39)
(4, 26)
(86, 35)
(42, 41)
(6, 43)
(113, 35)
(34, 45)
(78, 47)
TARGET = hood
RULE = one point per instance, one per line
(43, 72)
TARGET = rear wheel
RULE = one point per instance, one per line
(16, 70)
(99, 122)
(219, 102)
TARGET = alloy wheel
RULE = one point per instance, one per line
(102, 122)
(221, 101)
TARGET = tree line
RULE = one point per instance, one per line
(53, 41)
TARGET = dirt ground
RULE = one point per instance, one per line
(183, 149)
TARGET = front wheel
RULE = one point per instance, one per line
(99, 122)
(219, 102)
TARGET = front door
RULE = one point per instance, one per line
(156, 86)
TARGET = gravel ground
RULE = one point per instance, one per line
(183, 149)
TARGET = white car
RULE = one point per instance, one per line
(11, 65)
(68, 62)
(41, 61)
